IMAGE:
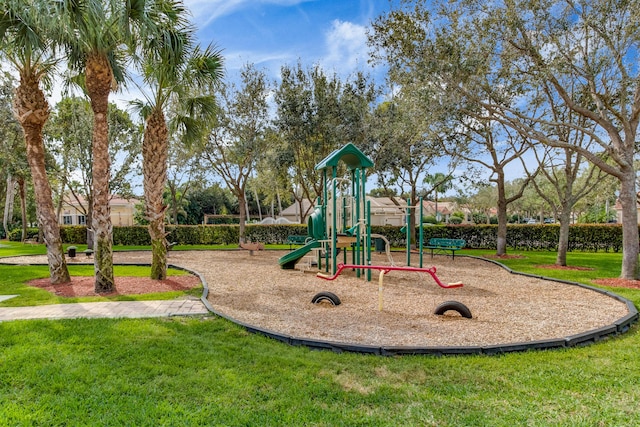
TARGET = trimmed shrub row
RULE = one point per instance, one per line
(589, 237)
(582, 237)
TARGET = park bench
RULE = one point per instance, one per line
(438, 245)
(295, 239)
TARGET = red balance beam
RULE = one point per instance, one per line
(386, 269)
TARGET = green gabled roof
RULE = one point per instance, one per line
(349, 154)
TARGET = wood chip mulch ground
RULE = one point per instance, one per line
(506, 308)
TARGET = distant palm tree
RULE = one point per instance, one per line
(180, 75)
(25, 44)
(99, 37)
(439, 182)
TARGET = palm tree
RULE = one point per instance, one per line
(179, 74)
(98, 36)
(25, 44)
(438, 182)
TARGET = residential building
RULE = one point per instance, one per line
(618, 208)
(385, 211)
(73, 211)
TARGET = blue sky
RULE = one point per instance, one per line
(271, 33)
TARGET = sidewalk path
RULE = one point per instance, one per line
(130, 309)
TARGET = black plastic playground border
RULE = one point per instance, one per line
(620, 326)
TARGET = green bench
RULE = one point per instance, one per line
(437, 245)
(295, 239)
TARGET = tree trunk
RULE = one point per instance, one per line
(563, 241)
(99, 78)
(23, 206)
(174, 199)
(246, 207)
(32, 112)
(279, 203)
(255, 193)
(89, 223)
(8, 203)
(630, 250)
(154, 155)
(299, 215)
(501, 244)
(436, 206)
(243, 213)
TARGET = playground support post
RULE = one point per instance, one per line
(421, 233)
(408, 232)
(358, 247)
(368, 245)
(380, 288)
(325, 217)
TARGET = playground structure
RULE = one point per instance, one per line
(342, 218)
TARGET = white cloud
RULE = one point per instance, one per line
(346, 45)
(207, 11)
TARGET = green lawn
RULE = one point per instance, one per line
(208, 371)
(13, 280)
(598, 265)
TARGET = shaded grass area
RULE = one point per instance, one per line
(208, 371)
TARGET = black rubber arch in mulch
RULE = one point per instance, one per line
(620, 326)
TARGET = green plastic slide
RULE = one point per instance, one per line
(288, 261)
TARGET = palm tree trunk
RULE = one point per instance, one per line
(89, 223)
(154, 154)
(32, 112)
(23, 206)
(8, 203)
(99, 78)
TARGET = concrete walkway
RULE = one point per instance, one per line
(129, 309)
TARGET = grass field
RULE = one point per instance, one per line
(14, 279)
(207, 371)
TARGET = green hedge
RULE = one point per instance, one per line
(15, 235)
(582, 237)
(74, 234)
(203, 234)
(274, 233)
(589, 237)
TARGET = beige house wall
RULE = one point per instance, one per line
(122, 212)
(385, 212)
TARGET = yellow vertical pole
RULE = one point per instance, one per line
(380, 282)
